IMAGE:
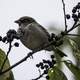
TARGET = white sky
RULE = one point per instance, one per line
(45, 12)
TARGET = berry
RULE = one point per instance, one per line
(78, 6)
(4, 39)
(16, 44)
(45, 71)
(75, 17)
(68, 16)
(46, 66)
(0, 38)
(53, 61)
(37, 65)
(48, 61)
(44, 61)
(47, 77)
(52, 56)
(78, 15)
(78, 3)
(42, 67)
(74, 10)
(41, 64)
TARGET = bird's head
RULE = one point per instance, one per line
(25, 20)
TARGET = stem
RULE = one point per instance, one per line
(38, 77)
(26, 57)
(73, 27)
(64, 15)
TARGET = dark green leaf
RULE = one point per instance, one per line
(56, 74)
(75, 48)
(60, 53)
(9, 74)
(74, 69)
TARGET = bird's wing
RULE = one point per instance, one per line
(36, 25)
(47, 33)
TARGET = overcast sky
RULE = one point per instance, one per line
(45, 12)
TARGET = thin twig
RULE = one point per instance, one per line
(6, 56)
(64, 15)
(38, 77)
(74, 26)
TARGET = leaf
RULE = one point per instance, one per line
(56, 74)
(60, 53)
(8, 75)
(74, 69)
(75, 48)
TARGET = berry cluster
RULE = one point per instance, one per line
(75, 13)
(10, 36)
(57, 41)
(45, 66)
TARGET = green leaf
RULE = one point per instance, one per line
(8, 75)
(74, 69)
(75, 48)
(56, 74)
(60, 53)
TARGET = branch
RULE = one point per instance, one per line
(39, 77)
(74, 26)
(64, 15)
(26, 57)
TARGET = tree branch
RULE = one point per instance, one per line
(64, 15)
(26, 57)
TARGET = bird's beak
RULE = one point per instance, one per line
(17, 21)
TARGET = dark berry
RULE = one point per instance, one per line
(68, 16)
(53, 61)
(74, 10)
(42, 67)
(37, 65)
(11, 31)
(0, 38)
(48, 61)
(78, 15)
(46, 66)
(52, 36)
(75, 19)
(45, 71)
(47, 77)
(74, 15)
(78, 3)
(16, 44)
(57, 38)
(41, 64)
(78, 6)
(44, 61)
(4, 39)
(52, 56)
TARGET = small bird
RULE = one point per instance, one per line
(32, 34)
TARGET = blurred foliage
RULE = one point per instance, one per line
(74, 69)
(56, 74)
(8, 75)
